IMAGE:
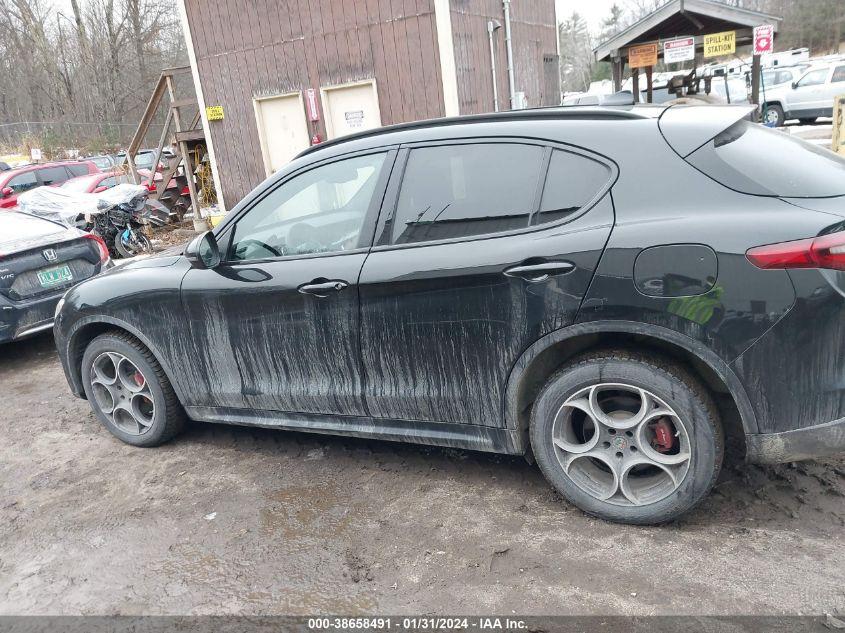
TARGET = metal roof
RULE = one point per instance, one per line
(679, 18)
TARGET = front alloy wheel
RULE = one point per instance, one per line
(122, 393)
(128, 390)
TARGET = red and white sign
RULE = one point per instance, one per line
(681, 49)
(311, 105)
(764, 39)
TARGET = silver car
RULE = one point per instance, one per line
(806, 99)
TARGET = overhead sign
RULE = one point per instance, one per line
(214, 113)
(681, 49)
(311, 105)
(718, 44)
(642, 55)
(764, 39)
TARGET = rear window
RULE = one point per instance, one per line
(754, 159)
(78, 169)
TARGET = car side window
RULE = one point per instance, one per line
(454, 191)
(23, 182)
(813, 78)
(78, 169)
(319, 211)
(838, 74)
(572, 181)
(53, 175)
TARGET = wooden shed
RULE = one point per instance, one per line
(285, 74)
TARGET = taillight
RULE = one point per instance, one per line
(825, 251)
(101, 246)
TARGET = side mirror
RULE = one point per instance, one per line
(7, 191)
(794, 85)
(203, 251)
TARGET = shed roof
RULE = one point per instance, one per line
(679, 18)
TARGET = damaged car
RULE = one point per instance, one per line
(522, 282)
(39, 260)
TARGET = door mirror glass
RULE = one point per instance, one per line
(203, 251)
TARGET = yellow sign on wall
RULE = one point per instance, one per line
(642, 55)
(717, 44)
(214, 113)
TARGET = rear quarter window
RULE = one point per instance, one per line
(754, 159)
(572, 182)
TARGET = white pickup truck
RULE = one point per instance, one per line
(806, 99)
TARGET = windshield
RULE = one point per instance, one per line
(754, 159)
(77, 184)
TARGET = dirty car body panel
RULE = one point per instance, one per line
(426, 325)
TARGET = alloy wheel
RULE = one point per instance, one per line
(621, 444)
(122, 393)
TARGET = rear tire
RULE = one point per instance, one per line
(129, 391)
(143, 245)
(627, 437)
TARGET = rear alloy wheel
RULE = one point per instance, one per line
(629, 439)
(129, 392)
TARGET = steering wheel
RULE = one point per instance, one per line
(246, 244)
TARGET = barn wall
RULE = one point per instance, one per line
(534, 35)
(256, 48)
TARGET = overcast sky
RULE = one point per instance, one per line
(594, 11)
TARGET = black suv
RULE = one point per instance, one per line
(618, 292)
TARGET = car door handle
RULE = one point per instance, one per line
(323, 288)
(539, 272)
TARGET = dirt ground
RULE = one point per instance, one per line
(236, 520)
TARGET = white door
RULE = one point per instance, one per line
(809, 91)
(351, 108)
(282, 129)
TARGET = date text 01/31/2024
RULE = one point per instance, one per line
(417, 624)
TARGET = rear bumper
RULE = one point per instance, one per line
(19, 319)
(809, 443)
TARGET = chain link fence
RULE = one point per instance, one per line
(58, 139)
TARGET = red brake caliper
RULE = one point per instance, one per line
(139, 379)
(663, 440)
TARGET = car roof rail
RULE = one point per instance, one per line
(607, 111)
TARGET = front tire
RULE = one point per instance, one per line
(129, 391)
(627, 437)
(773, 116)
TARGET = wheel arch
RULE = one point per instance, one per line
(546, 355)
(87, 329)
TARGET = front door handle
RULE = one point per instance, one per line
(321, 288)
(539, 272)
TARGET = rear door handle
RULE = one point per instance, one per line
(539, 272)
(323, 288)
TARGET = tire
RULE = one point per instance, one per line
(653, 491)
(807, 120)
(150, 399)
(773, 115)
(143, 245)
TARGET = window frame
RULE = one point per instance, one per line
(225, 236)
(384, 229)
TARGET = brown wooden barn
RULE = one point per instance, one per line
(284, 72)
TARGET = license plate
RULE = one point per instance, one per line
(54, 276)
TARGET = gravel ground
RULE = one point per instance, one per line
(248, 521)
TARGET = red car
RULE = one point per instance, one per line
(95, 183)
(15, 181)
